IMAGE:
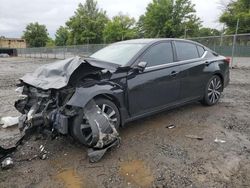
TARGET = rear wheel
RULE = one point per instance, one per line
(80, 128)
(213, 91)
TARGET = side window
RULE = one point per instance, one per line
(186, 50)
(200, 50)
(159, 54)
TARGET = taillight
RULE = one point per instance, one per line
(228, 60)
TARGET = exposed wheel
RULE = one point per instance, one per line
(213, 91)
(80, 128)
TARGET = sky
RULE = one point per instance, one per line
(16, 14)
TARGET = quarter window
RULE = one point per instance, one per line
(200, 50)
(159, 54)
(186, 51)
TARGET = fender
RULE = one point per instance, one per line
(83, 95)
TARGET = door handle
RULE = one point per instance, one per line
(174, 73)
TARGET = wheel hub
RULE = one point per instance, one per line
(214, 90)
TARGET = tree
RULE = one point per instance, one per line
(62, 36)
(140, 31)
(88, 23)
(205, 31)
(50, 43)
(235, 10)
(36, 35)
(121, 27)
(169, 18)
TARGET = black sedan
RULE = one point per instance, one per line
(90, 98)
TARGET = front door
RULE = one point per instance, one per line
(158, 85)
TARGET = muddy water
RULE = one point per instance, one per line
(136, 172)
(70, 179)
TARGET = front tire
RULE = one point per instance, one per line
(82, 132)
(213, 91)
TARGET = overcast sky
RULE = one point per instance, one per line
(16, 14)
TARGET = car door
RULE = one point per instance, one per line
(192, 69)
(158, 85)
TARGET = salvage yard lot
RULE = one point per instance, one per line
(150, 154)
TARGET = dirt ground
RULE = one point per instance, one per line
(150, 154)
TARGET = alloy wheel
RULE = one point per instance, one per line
(214, 90)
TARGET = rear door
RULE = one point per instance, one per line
(158, 85)
(192, 69)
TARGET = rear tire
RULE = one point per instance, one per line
(76, 129)
(213, 91)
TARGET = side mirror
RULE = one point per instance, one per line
(141, 66)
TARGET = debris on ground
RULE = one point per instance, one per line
(7, 163)
(170, 126)
(43, 152)
(219, 141)
(5, 152)
(96, 155)
(194, 137)
(9, 121)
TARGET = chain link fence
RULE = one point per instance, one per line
(234, 46)
(59, 52)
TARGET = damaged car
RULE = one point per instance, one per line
(90, 98)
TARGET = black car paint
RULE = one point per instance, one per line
(139, 94)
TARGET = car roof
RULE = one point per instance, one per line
(137, 41)
(152, 40)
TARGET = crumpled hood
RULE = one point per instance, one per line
(57, 75)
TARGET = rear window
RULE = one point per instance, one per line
(186, 51)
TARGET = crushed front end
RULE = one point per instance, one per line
(44, 109)
(54, 95)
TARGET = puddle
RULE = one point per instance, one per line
(70, 179)
(137, 173)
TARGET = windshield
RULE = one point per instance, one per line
(118, 53)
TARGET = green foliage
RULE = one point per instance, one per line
(62, 36)
(36, 35)
(203, 32)
(140, 31)
(88, 23)
(164, 18)
(50, 43)
(121, 27)
(235, 10)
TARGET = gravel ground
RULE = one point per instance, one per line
(150, 155)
